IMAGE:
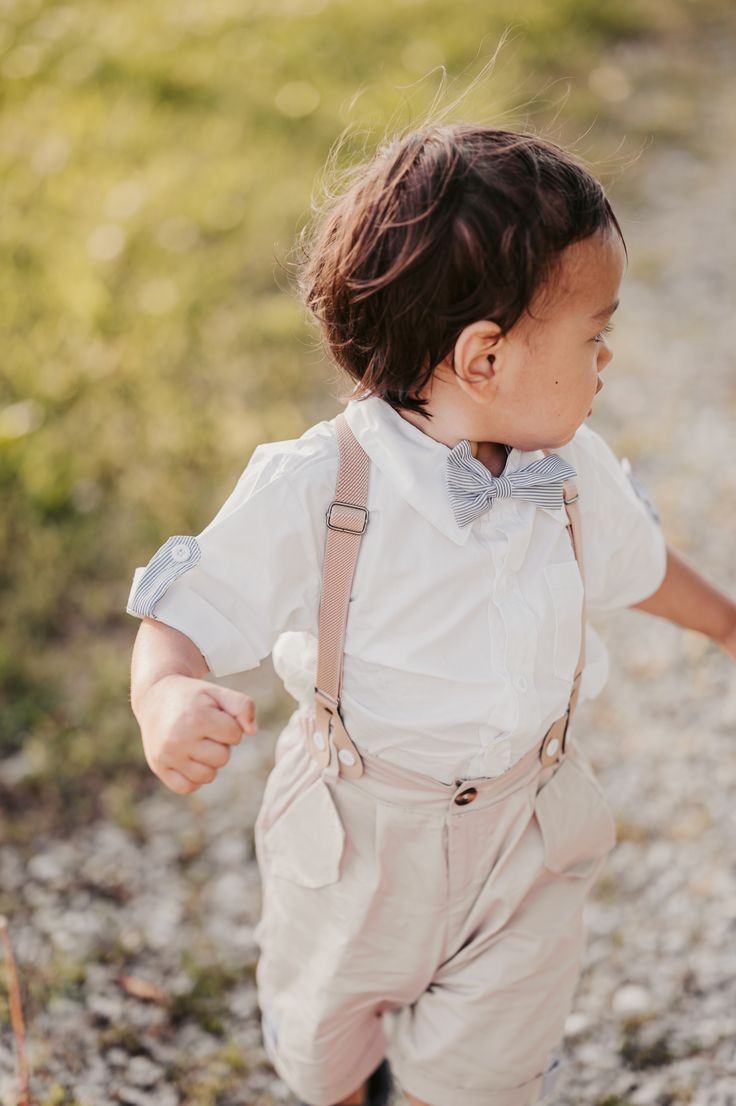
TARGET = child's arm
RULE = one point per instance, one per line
(690, 600)
(218, 601)
(160, 650)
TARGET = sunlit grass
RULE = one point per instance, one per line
(158, 161)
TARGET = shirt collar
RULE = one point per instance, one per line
(416, 463)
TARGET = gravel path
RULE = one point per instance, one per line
(655, 1018)
(148, 932)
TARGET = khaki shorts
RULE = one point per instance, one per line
(439, 925)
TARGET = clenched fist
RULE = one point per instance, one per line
(188, 727)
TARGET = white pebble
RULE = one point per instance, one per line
(632, 999)
(577, 1022)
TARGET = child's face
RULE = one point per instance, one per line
(539, 386)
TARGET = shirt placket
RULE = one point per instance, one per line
(513, 648)
(521, 625)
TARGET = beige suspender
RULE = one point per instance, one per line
(347, 518)
(556, 736)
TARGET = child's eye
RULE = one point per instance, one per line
(606, 330)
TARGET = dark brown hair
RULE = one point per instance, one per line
(446, 225)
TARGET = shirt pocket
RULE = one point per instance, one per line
(305, 841)
(575, 819)
(565, 588)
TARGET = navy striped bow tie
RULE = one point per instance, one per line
(473, 489)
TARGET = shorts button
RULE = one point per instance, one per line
(466, 796)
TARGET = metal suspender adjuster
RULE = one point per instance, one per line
(352, 507)
(567, 487)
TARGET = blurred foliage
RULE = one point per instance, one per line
(158, 161)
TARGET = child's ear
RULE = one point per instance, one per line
(475, 353)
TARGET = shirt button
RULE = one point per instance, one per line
(181, 552)
(346, 756)
(522, 683)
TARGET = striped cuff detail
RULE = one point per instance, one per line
(176, 556)
(640, 491)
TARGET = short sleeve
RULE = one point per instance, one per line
(624, 548)
(249, 576)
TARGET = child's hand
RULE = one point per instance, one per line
(188, 725)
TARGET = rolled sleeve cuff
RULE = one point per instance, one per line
(641, 576)
(223, 648)
(653, 576)
(159, 592)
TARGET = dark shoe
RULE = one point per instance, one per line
(379, 1088)
(380, 1085)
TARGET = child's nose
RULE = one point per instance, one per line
(605, 354)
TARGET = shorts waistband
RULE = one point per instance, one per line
(403, 785)
(397, 784)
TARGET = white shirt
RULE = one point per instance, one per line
(461, 643)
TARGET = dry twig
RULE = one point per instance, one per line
(16, 1014)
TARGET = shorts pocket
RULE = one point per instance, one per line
(306, 841)
(565, 587)
(575, 819)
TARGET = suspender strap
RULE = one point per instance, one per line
(556, 737)
(347, 519)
